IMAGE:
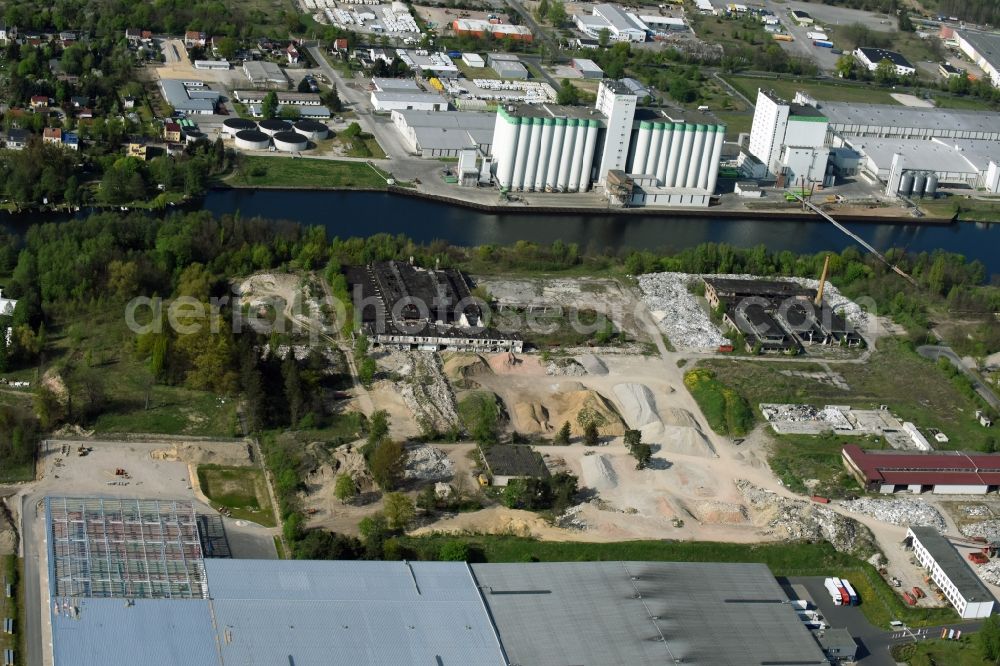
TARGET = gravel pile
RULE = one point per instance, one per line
(678, 312)
(977, 510)
(991, 572)
(427, 463)
(424, 389)
(990, 529)
(800, 520)
(899, 511)
(569, 368)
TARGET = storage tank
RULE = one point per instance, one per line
(311, 129)
(290, 142)
(521, 156)
(191, 136)
(676, 148)
(504, 147)
(274, 125)
(713, 167)
(666, 145)
(230, 126)
(697, 148)
(588, 155)
(566, 157)
(555, 157)
(653, 154)
(919, 181)
(642, 146)
(544, 154)
(532, 166)
(906, 184)
(252, 139)
(578, 149)
(930, 189)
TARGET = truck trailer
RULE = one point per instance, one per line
(852, 595)
(834, 591)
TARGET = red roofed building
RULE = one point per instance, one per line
(939, 472)
(39, 101)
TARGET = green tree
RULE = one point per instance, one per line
(845, 66)
(374, 530)
(366, 371)
(399, 510)
(568, 94)
(564, 434)
(557, 13)
(344, 488)
(885, 72)
(591, 434)
(542, 10)
(303, 86)
(387, 463)
(454, 551)
(427, 499)
(591, 421)
(989, 638)
(227, 47)
(604, 38)
(269, 107)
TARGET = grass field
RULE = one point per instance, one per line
(12, 608)
(102, 341)
(964, 652)
(736, 122)
(970, 210)
(257, 171)
(832, 92)
(798, 457)
(239, 489)
(879, 603)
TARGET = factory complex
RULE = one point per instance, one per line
(907, 151)
(939, 472)
(105, 609)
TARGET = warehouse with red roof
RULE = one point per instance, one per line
(940, 472)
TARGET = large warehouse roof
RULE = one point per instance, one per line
(942, 155)
(938, 468)
(986, 44)
(188, 100)
(638, 613)
(849, 113)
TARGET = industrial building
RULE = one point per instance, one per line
(982, 48)
(664, 24)
(404, 306)
(940, 472)
(445, 134)
(392, 100)
(790, 139)
(221, 65)
(778, 315)
(332, 613)
(395, 85)
(622, 26)
(284, 97)
(871, 57)
(480, 28)
(262, 74)
(959, 583)
(588, 68)
(187, 99)
(906, 122)
(473, 60)
(657, 159)
(507, 462)
(507, 66)
(430, 64)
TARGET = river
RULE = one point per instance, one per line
(347, 214)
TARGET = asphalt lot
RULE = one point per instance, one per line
(873, 642)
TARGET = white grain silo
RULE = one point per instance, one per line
(544, 153)
(504, 147)
(532, 166)
(697, 147)
(643, 140)
(685, 161)
(566, 159)
(665, 147)
(588, 154)
(521, 155)
(676, 147)
(555, 157)
(713, 165)
(579, 146)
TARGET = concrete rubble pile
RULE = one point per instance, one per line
(569, 369)
(899, 511)
(677, 311)
(990, 572)
(425, 390)
(798, 519)
(427, 463)
(989, 529)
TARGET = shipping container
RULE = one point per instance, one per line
(909, 599)
(918, 593)
(821, 500)
(823, 43)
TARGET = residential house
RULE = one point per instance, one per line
(172, 133)
(53, 135)
(71, 141)
(133, 36)
(136, 148)
(340, 45)
(128, 102)
(194, 38)
(67, 38)
(7, 33)
(79, 101)
(86, 113)
(17, 139)
(39, 102)
(292, 54)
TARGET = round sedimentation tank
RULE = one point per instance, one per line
(930, 189)
(231, 126)
(252, 140)
(919, 181)
(274, 125)
(290, 142)
(190, 136)
(312, 129)
(906, 184)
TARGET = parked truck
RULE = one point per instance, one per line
(851, 594)
(834, 591)
(823, 43)
(845, 598)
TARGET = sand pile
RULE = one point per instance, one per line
(495, 520)
(592, 364)
(205, 453)
(461, 369)
(714, 512)
(598, 473)
(564, 402)
(638, 405)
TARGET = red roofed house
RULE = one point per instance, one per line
(39, 101)
(172, 133)
(938, 472)
(340, 44)
(52, 135)
(194, 38)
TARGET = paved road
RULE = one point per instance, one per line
(873, 642)
(538, 31)
(934, 352)
(31, 623)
